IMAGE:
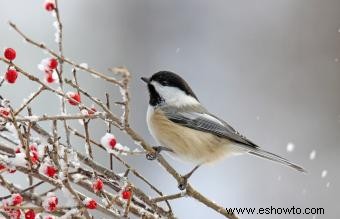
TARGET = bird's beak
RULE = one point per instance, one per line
(146, 80)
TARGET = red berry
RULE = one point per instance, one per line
(17, 150)
(12, 170)
(50, 203)
(49, 77)
(49, 6)
(52, 206)
(113, 142)
(74, 98)
(29, 214)
(11, 76)
(53, 63)
(91, 111)
(91, 204)
(97, 185)
(33, 147)
(50, 171)
(4, 111)
(2, 167)
(126, 194)
(10, 54)
(34, 157)
(17, 199)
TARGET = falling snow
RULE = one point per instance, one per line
(290, 147)
(312, 155)
(324, 173)
(328, 184)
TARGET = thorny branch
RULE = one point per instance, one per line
(76, 170)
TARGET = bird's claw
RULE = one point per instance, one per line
(157, 149)
(183, 183)
(151, 156)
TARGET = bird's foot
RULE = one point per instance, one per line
(157, 149)
(183, 182)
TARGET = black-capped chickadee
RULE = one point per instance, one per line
(181, 125)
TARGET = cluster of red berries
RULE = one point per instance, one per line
(11, 74)
(33, 152)
(49, 65)
(16, 200)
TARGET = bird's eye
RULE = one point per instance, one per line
(164, 83)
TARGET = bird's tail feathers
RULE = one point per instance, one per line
(276, 158)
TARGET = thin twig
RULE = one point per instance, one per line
(169, 197)
(32, 97)
(109, 127)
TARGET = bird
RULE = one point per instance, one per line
(183, 127)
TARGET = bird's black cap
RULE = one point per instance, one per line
(167, 78)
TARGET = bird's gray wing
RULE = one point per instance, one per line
(204, 121)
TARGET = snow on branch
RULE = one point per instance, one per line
(51, 163)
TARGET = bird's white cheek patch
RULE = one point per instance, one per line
(174, 96)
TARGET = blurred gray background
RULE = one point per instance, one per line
(269, 68)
